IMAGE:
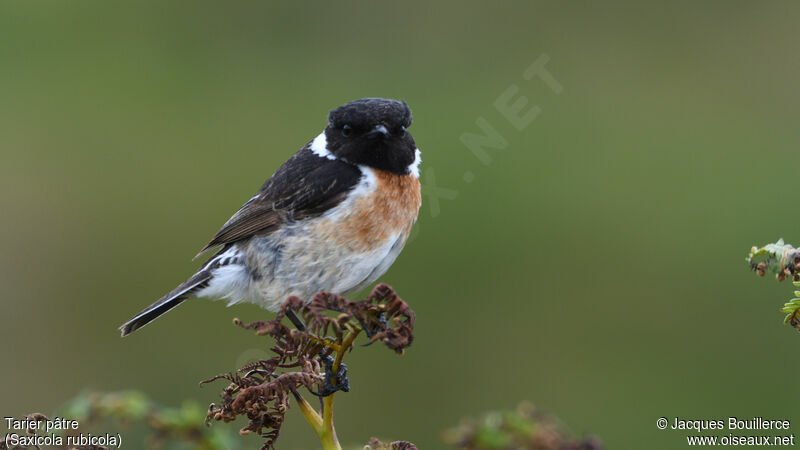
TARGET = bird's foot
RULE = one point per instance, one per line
(372, 332)
(333, 382)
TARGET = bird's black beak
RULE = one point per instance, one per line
(379, 131)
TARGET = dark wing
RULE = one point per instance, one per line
(306, 185)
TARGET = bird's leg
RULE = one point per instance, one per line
(295, 319)
(366, 329)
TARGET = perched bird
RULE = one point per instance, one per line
(332, 218)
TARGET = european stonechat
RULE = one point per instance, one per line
(332, 218)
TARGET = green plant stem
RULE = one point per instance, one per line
(312, 417)
(347, 342)
(328, 436)
(323, 426)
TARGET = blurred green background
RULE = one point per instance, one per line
(595, 267)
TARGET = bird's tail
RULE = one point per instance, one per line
(167, 302)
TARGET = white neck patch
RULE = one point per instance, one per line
(319, 146)
(413, 168)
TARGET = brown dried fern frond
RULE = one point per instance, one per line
(261, 390)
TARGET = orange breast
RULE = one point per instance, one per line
(389, 210)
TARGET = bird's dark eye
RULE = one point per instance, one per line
(347, 130)
(401, 131)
